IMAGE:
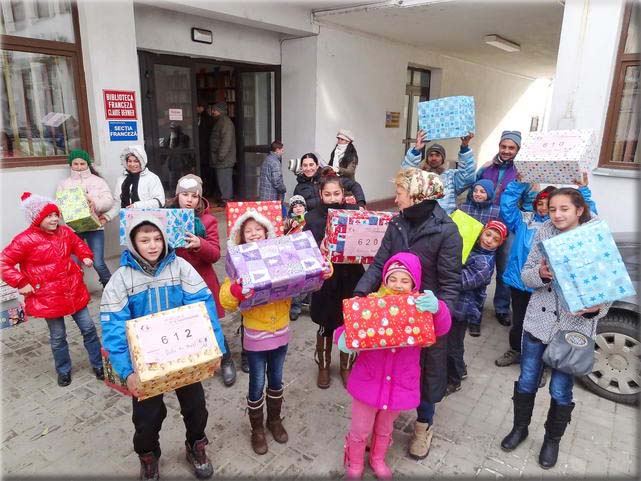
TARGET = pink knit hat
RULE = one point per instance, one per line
(37, 207)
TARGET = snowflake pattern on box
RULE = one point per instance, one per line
(557, 156)
(587, 266)
(75, 210)
(272, 209)
(447, 118)
(276, 268)
(177, 223)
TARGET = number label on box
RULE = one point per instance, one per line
(363, 239)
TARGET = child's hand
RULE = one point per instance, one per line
(103, 220)
(544, 270)
(323, 248)
(342, 345)
(583, 182)
(239, 292)
(88, 262)
(193, 241)
(26, 290)
(328, 269)
(589, 310)
(427, 302)
(133, 382)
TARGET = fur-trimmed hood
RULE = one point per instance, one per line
(138, 151)
(234, 235)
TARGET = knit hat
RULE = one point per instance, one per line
(424, 186)
(438, 148)
(79, 154)
(37, 207)
(221, 107)
(498, 226)
(513, 135)
(190, 183)
(345, 135)
(297, 199)
(396, 267)
(488, 187)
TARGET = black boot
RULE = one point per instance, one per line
(227, 367)
(523, 405)
(149, 466)
(558, 419)
(197, 457)
(244, 363)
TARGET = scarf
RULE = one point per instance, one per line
(419, 213)
(339, 152)
(129, 190)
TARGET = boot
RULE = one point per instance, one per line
(323, 358)
(197, 457)
(354, 460)
(244, 363)
(377, 451)
(274, 421)
(148, 466)
(421, 440)
(523, 405)
(558, 418)
(347, 361)
(256, 419)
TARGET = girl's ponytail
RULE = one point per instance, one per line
(329, 176)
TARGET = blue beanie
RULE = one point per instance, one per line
(487, 185)
(513, 135)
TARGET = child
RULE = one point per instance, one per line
(51, 281)
(272, 186)
(326, 308)
(152, 278)
(480, 202)
(100, 200)
(375, 406)
(295, 220)
(203, 250)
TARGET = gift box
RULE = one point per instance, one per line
(276, 268)
(272, 209)
(112, 379)
(469, 228)
(587, 266)
(177, 223)
(172, 348)
(354, 236)
(11, 316)
(75, 210)
(447, 118)
(557, 156)
(7, 293)
(388, 321)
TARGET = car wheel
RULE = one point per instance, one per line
(617, 359)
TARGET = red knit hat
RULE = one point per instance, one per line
(37, 207)
(499, 227)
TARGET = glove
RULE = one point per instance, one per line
(238, 291)
(427, 302)
(342, 346)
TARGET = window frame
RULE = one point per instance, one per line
(73, 51)
(414, 91)
(623, 61)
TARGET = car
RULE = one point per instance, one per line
(616, 374)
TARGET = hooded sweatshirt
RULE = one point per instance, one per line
(484, 211)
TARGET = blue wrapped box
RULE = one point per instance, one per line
(587, 266)
(447, 118)
(177, 223)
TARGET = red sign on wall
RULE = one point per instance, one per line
(120, 104)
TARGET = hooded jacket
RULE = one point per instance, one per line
(309, 188)
(500, 174)
(133, 292)
(95, 187)
(475, 277)
(485, 211)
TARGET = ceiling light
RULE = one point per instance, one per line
(500, 42)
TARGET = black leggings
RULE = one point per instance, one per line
(520, 300)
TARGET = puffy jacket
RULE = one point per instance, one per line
(223, 142)
(309, 188)
(95, 187)
(348, 163)
(133, 292)
(475, 277)
(45, 262)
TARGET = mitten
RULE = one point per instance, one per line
(427, 302)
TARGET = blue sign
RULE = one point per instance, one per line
(121, 130)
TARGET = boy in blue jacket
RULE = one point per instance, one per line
(151, 278)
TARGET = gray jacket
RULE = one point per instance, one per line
(223, 143)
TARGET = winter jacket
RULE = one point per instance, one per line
(545, 312)
(500, 173)
(223, 143)
(309, 188)
(455, 181)
(348, 163)
(132, 292)
(94, 186)
(485, 211)
(272, 185)
(475, 277)
(45, 262)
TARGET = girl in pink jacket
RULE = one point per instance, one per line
(385, 382)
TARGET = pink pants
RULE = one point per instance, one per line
(367, 419)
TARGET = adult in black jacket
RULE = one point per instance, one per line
(424, 229)
(344, 157)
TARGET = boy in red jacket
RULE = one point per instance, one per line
(51, 281)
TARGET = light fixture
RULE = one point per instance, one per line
(201, 35)
(503, 44)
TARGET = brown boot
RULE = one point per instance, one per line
(323, 357)
(256, 418)
(274, 421)
(347, 361)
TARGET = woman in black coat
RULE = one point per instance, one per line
(424, 229)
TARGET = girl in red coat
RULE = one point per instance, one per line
(51, 281)
(203, 250)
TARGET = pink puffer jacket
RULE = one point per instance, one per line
(95, 187)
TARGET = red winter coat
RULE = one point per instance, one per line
(45, 263)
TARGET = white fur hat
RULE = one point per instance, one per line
(235, 233)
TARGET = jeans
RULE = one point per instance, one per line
(95, 239)
(224, 177)
(58, 340)
(502, 291)
(520, 300)
(265, 362)
(455, 352)
(367, 419)
(425, 412)
(149, 414)
(532, 367)
(297, 303)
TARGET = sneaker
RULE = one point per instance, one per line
(452, 388)
(504, 319)
(293, 316)
(100, 373)
(64, 379)
(197, 457)
(475, 330)
(508, 358)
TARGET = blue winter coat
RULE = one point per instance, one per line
(475, 277)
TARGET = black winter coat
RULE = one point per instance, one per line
(438, 244)
(309, 188)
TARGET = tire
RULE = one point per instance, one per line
(617, 359)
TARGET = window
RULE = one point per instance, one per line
(42, 94)
(417, 90)
(621, 135)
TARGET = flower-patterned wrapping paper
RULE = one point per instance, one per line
(587, 266)
(447, 117)
(557, 156)
(354, 236)
(272, 209)
(75, 210)
(469, 228)
(177, 223)
(384, 322)
(276, 268)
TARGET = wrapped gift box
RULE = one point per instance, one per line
(354, 236)
(469, 228)
(383, 322)
(172, 348)
(112, 379)
(587, 266)
(177, 223)
(7, 293)
(11, 316)
(447, 118)
(272, 209)
(557, 156)
(75, 210)
(276, 268)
